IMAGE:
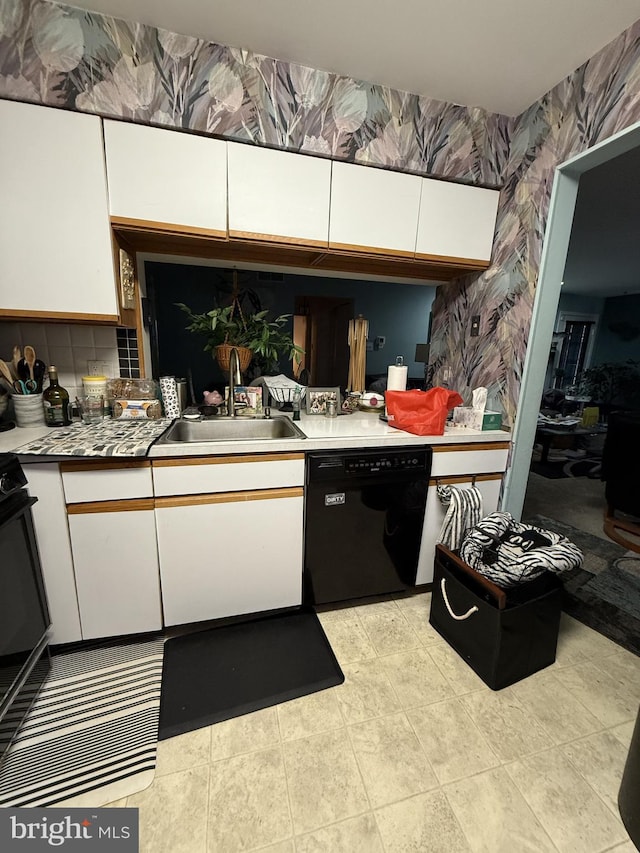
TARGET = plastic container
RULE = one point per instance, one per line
(132, 389)
(94, 386)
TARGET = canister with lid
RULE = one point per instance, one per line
(94, 386)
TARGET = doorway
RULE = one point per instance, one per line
(554, 256)
(571, 349)
(325, 336)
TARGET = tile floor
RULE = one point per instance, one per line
(412, 753)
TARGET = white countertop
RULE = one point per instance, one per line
(361, 429)
(12, 438)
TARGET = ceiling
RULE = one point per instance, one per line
(501, 55)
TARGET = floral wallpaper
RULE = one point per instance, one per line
(601, 98)
(59, 55)
(62, 56)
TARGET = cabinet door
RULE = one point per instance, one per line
(227, 474)
(116, 565)
(52, 533)
(373, 210)
(55, 242)
(106, 480)
(166, 176)
(489, 486)
(456, 221)
(277, 195)
(453, 460)
(227, 554)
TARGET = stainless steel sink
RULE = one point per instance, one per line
(230, 429)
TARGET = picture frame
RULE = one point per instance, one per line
(317, 399)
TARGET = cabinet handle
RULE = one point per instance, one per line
(470, 611)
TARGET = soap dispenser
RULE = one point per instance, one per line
(295, 403)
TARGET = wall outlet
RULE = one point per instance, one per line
(99, 368)
(369, 346)
(380, 341)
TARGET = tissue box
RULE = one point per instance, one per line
(465, 416)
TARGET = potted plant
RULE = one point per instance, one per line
(254, 336)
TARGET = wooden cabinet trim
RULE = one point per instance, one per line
(225, 460)
(103, 464)
(371, 250)
(229, 497)
(158, 238)
(455, 479)
(472, 263)
(148, 226)
(454, 448)
(135, 505)
(277, 238)
(57, 317)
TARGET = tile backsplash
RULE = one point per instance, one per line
(69, 347)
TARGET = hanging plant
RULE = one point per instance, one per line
(266, 340)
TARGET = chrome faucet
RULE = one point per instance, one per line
(235, 378)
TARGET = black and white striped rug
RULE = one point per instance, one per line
(90, 737)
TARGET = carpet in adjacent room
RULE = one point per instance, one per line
(559, 469)
(605, 592)
(230, 670)
(91, 735)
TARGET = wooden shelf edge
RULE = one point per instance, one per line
(155, 238)
(147, 226)
(58, 317)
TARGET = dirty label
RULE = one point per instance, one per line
(335, 499)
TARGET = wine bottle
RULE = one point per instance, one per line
(55, 399)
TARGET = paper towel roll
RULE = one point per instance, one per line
(397, 377)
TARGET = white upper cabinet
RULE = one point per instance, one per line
(276, 195)
(373, 209)
(166, 176)
(456, 221)
(55, 242)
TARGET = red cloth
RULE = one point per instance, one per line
(421, 412)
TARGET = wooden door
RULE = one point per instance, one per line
(326, 346)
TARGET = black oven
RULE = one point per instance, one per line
(24, 616)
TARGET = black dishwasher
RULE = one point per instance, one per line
(363, 521)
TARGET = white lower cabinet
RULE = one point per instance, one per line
(50, 522)
(230, 553)
(116, 569)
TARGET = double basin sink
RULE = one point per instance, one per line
(229, 429)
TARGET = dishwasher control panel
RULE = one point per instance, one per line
(373, 463)
(383, 463)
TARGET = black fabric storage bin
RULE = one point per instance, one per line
(509, 635)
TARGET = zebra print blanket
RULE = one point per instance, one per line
(509, 552)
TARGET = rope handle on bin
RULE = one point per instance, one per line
(470, 611)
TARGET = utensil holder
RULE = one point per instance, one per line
(28, 410)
